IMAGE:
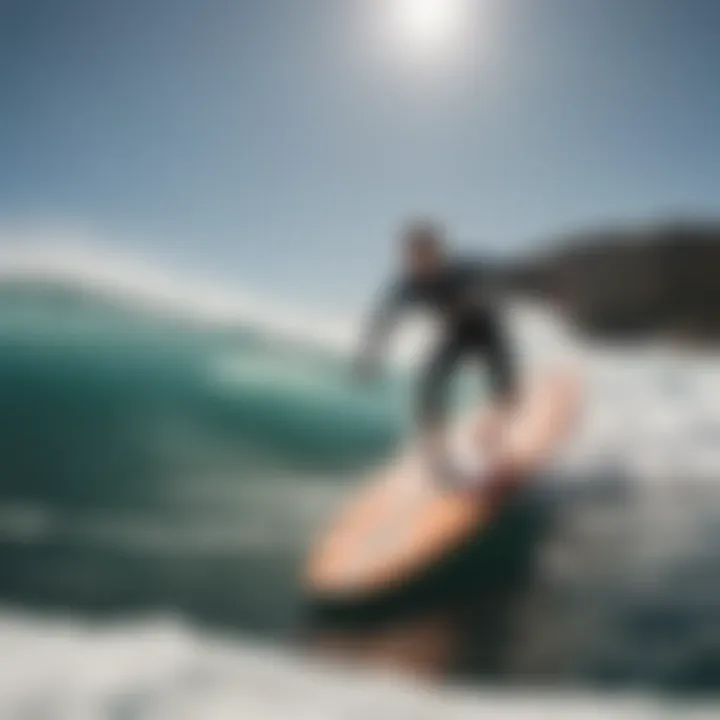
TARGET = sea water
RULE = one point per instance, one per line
(163, 470)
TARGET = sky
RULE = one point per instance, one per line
(277, 144)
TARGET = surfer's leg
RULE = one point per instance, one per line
(491, 347)
(434, 384)
(432, 399)
(498, 354)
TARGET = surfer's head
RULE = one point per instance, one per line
(423, 246)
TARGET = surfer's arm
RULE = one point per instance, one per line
(382, 321)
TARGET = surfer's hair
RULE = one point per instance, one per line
(423, 234)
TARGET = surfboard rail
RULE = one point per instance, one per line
(401, 522)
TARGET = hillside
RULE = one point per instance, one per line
(626, 283)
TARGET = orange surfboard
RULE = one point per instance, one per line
(403, 522)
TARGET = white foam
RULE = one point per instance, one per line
(103, 268)
(161, 669)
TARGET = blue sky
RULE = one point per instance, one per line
(265, 142)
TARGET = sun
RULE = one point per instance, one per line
(428, 27)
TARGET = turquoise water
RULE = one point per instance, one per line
(104, 405)
(151, 463)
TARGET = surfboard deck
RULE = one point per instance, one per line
(402, 521)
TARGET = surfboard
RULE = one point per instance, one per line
(402, 521)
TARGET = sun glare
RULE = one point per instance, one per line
(428, 26)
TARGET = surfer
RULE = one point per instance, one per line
(456, 290)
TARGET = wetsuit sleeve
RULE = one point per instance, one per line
(382, 321)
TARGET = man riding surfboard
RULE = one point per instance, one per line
(456, 291)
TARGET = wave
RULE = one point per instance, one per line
(96, 348)
(124, 373)
(168, 446)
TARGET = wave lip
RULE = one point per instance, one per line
(144, 286)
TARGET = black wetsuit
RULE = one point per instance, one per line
(459, 295)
